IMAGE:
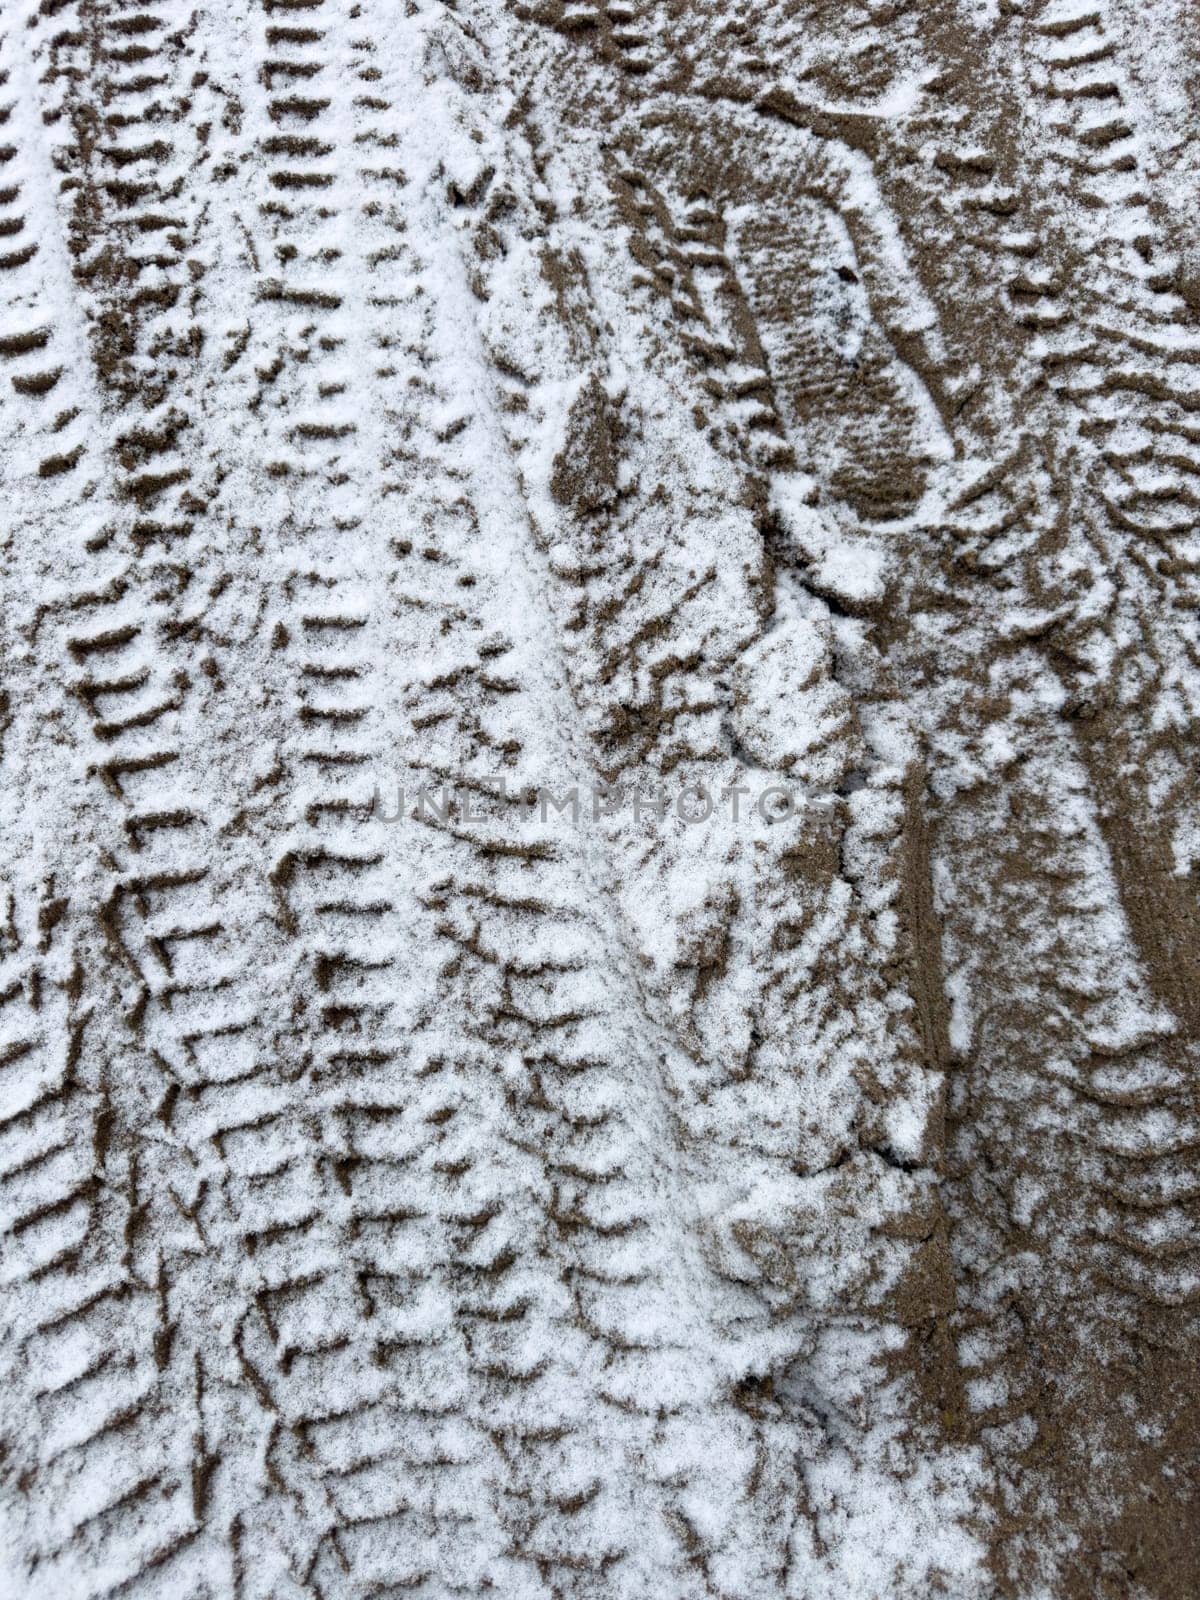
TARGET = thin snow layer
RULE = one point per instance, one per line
(546, 844)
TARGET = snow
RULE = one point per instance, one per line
(489, 1191)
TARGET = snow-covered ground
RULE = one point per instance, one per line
(599, 671)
